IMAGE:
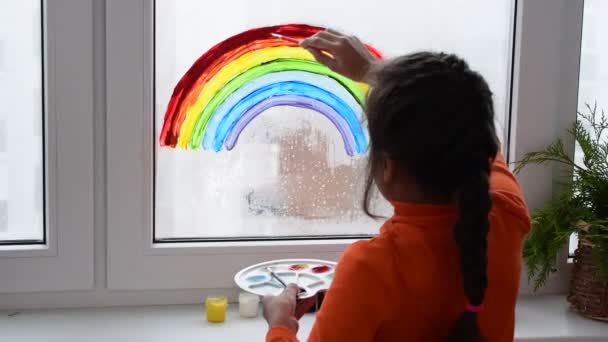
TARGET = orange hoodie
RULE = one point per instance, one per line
(406, 284)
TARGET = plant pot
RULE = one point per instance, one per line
(588, 295)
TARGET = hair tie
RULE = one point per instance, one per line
(473, 308)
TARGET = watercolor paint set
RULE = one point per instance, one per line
(269, 278)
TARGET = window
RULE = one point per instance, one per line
(593, 82)
(21, 113)
(111, 194)
(46, 145)
(288, 173)
(161, 221)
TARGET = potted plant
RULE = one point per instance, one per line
(581, 207)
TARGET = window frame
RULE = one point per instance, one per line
(89, 232)
(546, 41)
(545, 82)
(65, 260)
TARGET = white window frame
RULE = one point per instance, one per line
(545, 101)
(65, 261)
(545, 83)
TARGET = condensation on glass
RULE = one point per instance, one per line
(289, 175)
(284, 177)
(21, 143)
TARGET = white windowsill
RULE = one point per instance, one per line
(539, 318)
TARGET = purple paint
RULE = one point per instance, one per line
(294, 101)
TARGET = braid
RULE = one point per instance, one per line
(470, 233)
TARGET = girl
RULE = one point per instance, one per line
(446, 266)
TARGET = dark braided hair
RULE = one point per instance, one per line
(434, 116)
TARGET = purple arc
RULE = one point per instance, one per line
(293, 101)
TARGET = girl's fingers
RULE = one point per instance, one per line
(334, 32)
(322, 58)
(343, 54)
(319, 42)
(291, 290)
(327, 35)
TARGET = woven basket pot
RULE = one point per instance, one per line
(588, 295)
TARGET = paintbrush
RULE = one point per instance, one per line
(297, 41)
(289, 39)
(272, 274)
(275, 276)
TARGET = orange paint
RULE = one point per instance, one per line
(298, 267)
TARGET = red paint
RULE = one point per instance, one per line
(211, 61)
(321, 269)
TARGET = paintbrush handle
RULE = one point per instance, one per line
(297, 41)
(289, 39)
(272, 274)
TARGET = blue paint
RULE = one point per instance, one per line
(257, 278)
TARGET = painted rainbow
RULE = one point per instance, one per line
(242, 76)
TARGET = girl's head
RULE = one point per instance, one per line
(431, 126)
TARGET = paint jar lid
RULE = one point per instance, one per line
(216, 301)
(248, 297)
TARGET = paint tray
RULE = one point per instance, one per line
(311, 275)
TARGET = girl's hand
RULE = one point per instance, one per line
(349, 56)
(280, 310)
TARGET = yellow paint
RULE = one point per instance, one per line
(216, 309)
(228, 72)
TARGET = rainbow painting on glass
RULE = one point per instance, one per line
(241, 77)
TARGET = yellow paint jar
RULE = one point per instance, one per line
(216, 309)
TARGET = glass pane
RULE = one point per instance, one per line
(21, 170)
(593, 82)
(593, 79)
(290, 172)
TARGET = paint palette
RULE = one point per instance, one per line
(310, 275)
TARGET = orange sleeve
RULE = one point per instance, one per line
(502, 179)
(504, 183)
(280, 334)
(355, 305)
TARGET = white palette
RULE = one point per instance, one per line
(310, 275)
